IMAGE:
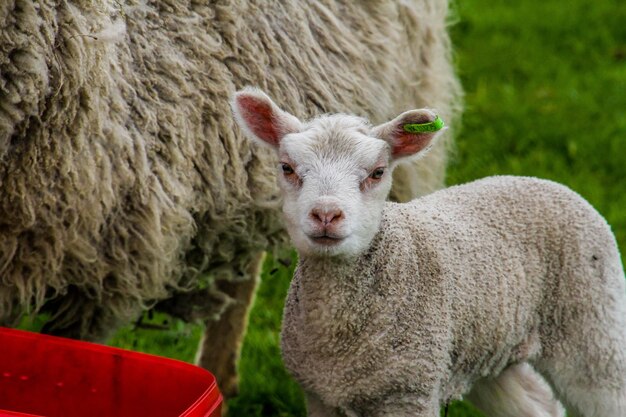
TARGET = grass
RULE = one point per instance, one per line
(545, 96)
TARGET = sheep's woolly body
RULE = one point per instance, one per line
(456, 286)
(121, 172)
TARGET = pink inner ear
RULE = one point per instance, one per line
(406, 143)
(259, 117)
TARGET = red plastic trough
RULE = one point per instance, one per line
(54, 377)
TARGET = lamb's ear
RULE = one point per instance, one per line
(261, 119)
(410, 133)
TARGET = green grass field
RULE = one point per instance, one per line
(545, 90)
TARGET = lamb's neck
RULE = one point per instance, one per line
(344, 274)
(327, 265)
(328, 291)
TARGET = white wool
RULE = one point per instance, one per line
(113, 33)
(395, 309)
(124, 180)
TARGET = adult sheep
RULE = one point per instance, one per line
(123, 179)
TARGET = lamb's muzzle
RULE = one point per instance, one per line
(327, 217)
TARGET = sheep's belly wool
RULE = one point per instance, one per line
(456, 286)
(123, 178)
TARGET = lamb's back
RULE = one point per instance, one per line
(508, 253)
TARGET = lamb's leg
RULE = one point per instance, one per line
(221, 345)
(586, 360)
(602, 394)
(589, 373)
(404, 405)
(316, 408)
(519, 391)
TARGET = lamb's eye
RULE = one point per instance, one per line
(287, 169)
(377, 173)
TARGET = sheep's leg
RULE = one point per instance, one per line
(519, 391)
(220, 347)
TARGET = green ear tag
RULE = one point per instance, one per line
(433, 126)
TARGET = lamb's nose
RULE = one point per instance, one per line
(326, 215)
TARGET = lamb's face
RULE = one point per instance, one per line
(334, 171)
(335, 177)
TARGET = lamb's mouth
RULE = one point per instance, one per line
(326, 240)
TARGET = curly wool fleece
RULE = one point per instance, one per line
(455, 287)
(122, 175)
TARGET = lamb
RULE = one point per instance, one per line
(478, 289)
(123, 180)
